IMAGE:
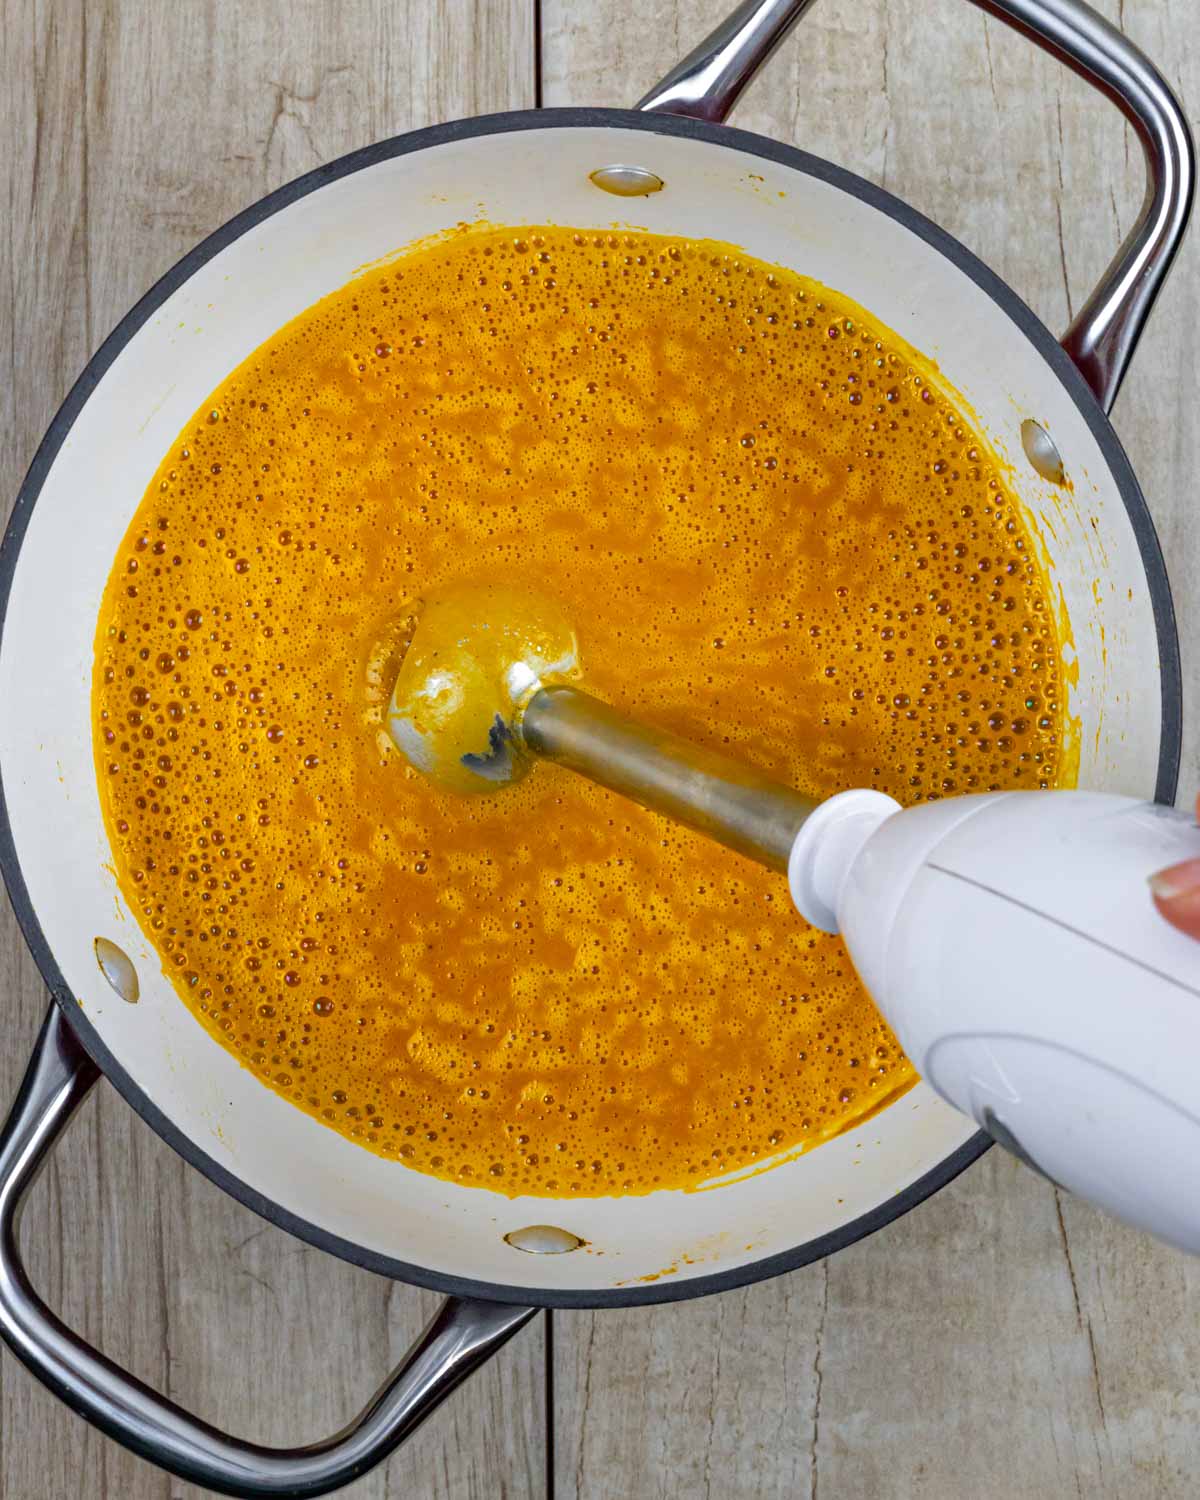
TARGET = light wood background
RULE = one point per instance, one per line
(1000, 1341)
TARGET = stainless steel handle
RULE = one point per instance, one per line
(710, 79)
(459, 1339)
(1105, 331)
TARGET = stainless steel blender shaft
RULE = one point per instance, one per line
(707, 791)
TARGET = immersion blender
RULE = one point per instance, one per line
(1009, 938)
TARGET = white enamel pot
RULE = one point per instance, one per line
(190, 330)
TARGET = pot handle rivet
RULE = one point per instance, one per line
(543, 1239)
(626, 181)
(1042, 452)
(117, 967)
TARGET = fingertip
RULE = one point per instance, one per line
(1176, 894)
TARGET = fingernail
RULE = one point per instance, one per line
(1177, 881)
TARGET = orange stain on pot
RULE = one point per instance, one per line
(776, 532)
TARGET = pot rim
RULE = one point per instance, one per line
(753, 144)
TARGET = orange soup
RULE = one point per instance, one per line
(776, 532)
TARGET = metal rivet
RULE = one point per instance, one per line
(627, 182)
(1042, 452)
(543, 1239)
(117, 968)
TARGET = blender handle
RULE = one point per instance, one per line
(464, 1333)
(1105, 331)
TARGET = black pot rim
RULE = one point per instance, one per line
(1026, 322)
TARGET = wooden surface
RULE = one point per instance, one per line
(1000, 1341)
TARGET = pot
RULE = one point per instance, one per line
(1043, 405)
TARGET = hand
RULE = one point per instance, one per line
(1176, 893)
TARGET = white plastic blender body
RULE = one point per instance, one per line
(1012, 944)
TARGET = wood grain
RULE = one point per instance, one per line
(1002, 1340)
(132, 129)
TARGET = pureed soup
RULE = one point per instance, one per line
(775, 532)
